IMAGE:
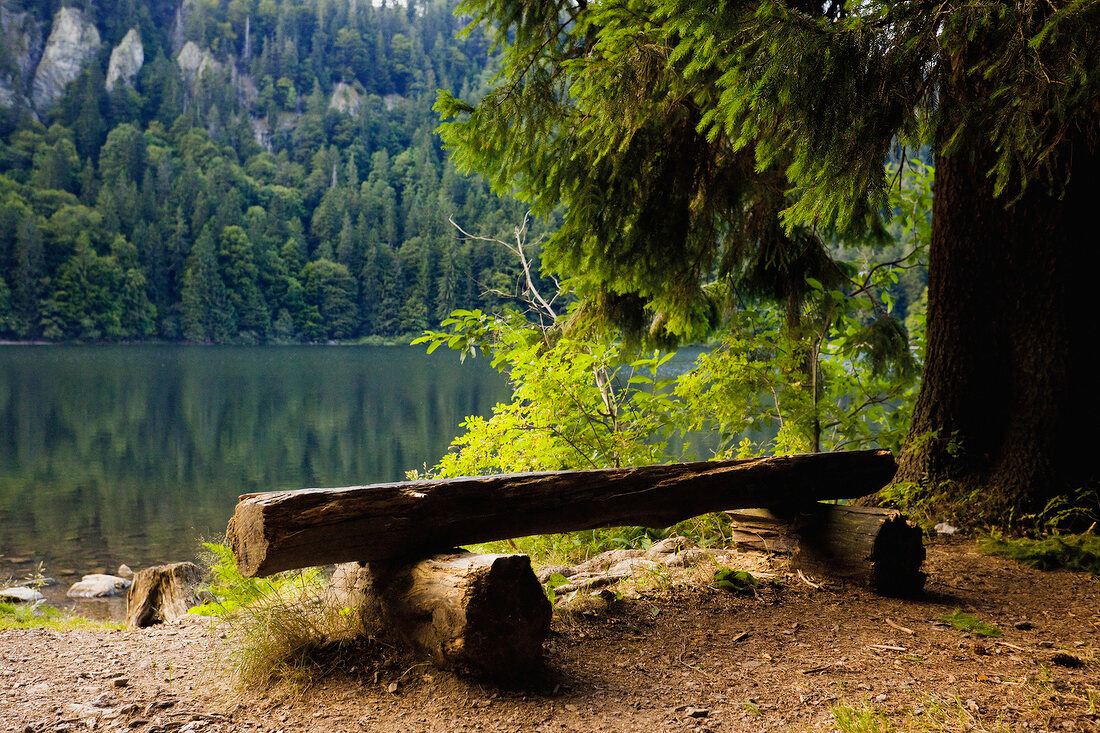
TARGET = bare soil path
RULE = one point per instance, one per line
(681, 657)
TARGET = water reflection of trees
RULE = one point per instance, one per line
(130, 453)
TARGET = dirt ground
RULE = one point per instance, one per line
(671, 657)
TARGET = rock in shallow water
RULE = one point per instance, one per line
(22, 595)
(98, 586)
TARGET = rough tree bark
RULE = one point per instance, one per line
(998, 426)
(163, 593)
(875, 548)
(479, 613)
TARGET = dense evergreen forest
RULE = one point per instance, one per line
(245, 171)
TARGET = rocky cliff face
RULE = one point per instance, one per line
(345, 98)
(73, 40)
(20, 49)
(194, 62)
(126, 60)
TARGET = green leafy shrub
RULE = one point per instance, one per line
(232, 591)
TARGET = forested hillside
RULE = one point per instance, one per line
(250, 171)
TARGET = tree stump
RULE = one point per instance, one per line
(875, 548)
(163, 593)
(477, 613)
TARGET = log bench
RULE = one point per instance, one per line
(487, 613)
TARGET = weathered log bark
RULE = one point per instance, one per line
(281, 530)
(761, 530)
(481, 614)
(875, 548)
(163, 593)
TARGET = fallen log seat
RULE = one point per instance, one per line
(477, 613)
(276, 531)
(875, 548)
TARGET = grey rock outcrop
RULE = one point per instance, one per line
(127, 59)
(20, 49)
(345, 99)
(615, 565)
(20, 595)
(98, 585)
(194, 62)
(73, 39)
(393, 101)
(7, 91)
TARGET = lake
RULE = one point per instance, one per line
(135, 454)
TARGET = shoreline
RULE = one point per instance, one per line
(404, 340)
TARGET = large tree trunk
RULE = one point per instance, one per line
(998, 428)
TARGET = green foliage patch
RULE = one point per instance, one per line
(1054, 552)
(860, 719)
(35, 615)
(970, 623)
(735, 581)
(232, 591)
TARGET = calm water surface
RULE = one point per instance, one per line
(134, 454)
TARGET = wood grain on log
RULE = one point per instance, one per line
(479, 613)
(875, 548)
(162, 593)
(281, 530)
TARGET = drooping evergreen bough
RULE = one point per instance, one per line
(706, 148)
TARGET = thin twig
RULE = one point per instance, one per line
(899, 627)
(807, 581)
(1011, 646)
(680, 659)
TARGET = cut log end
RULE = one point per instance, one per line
(896, 558)
(246, 538)
(508, 618)
(875, 548)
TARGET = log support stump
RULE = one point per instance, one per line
(874, 548)
(483, 614)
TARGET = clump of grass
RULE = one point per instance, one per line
(970, 623)
(941, 716)
(283, 628)
(1071, 552)
(285, 639)
(860, 719)
(36, 615)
